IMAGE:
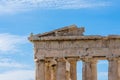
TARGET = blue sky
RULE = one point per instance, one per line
(18, 18)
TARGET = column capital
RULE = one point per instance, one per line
(118, 60)
(91, 60)
(112, 58)
(39, 60)
(53, 62)
(72, 60)
(61, 59)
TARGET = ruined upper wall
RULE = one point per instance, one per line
(65, 31)
(71, 30)
(70, 42)
(69, 33)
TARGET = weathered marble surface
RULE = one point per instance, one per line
(57, 52)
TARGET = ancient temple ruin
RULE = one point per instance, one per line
(56, 54)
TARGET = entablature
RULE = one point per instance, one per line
(70, 42)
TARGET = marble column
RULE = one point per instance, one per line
(53, 67)
(40, 70)
(73, 70)
(89, 69)
(118, 69)
(68, 77)
(47, 70)
(113, 69)
(61, 70)
(53, 73)
(94, 69)
(86, 71)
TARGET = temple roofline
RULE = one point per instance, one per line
(71, 32)
(65, 31)
(89, 37)
(60, 29)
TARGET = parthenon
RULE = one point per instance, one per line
(56, 54)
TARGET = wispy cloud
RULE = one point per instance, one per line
(10, 43)
(13, 6)
(102, 75)
(9, 63)
(17, 75)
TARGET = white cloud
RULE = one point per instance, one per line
(103, 74)
(9, 43)
(17, 75)
(79, 76)
(13, 6)
(9, 63)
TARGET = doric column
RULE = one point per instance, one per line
(73, 66)
(40, 70)
(61, 69)
(89, 69)
(53, 73)
(53, 67)
(118, 69)
(94, 69)
(47, 70)
(113, 69)
(68, 77)
(86, 70)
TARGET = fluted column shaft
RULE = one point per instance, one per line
(86, 71)
(113, 69)
(118, 69)
(94, 70)
(73, 70)
(40, 70)
(47, 71)
(53, 73)
(68, 77)
(53, 67)
(89, 69)
(61, 70)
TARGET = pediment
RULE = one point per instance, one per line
(71, 30)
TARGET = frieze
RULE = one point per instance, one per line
(61, 45)
(77, 52)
